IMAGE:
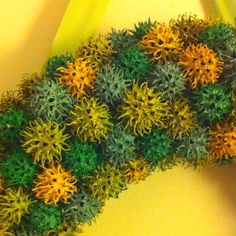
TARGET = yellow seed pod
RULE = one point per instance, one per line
(136, 170)
(181, 119)
(161, 43)
(142, 109)
(4, 226)
(27, 83)
(78, 76)
(223, 141)
(14, 203)
(97, 49)
(45, 141)
(90, 120)
(201, 65)
(189, 27)
(1, 184)
(54, 184)
(9, 99)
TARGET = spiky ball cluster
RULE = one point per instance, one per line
(201, 65)
(97, 49)
(14, 204)
(107, 181)
(110, 85)
(127, 104)
(50, 101)
(45, 141)
(82, 208)
(223, 141)
(119, 146)
(54, 184)
(195, 146)
(121, 39)
(11, 124)
(28, 82)
(218, 36)
(169, 80)
(82, 158)
(44, 217)
(78, 76)
(90, 120)
(53, 63)
(142, 109)
(189, 28)
(181, 119)
(161, 43)
(212, 103)
(134, 62)
(18, 169)
(142, 28)
(155, 146)
(9, 100)
(1, 185)
(136, 170)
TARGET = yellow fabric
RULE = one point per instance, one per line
(80, 21)
(27, 30)
(179, 202)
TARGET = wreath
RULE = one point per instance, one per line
(127, 104)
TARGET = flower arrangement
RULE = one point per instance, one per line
(127, 104)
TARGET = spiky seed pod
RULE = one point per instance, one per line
(28, 82)
(18, 169)
(90, 120)
(155, 146)
(223, 141)
(232, 116)
(168, 163)
(97, 49)
(121, 39)
(2, 151)
(201, 65)
(81, 159)
(14, 203)
(134, 62)
(1, 185)
(24, 229)
(169, 80)
(189, 28)
(66, 229)
(54, 184)
(78, 76)
(44, 217)
(45, 141)
(53, 63)
(9, 100)
(142, 109)
(119, 146)
(218, 36)
(82, 208)
(212, 103)
(106, 182)
(142, 28)
(110, 85)
(50, 101)
(12, 122)
(4, 227)
(136, 170)
(181, 119)
(195, 146)
(161, 43)
(228, 56)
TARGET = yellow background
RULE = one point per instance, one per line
(179, 202)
